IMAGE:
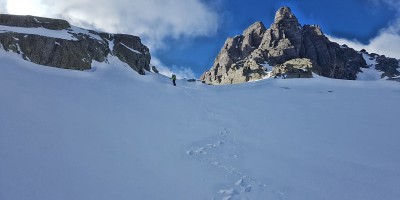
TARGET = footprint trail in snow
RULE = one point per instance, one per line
(223, 152)
(226, 149)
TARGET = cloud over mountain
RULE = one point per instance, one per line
(387, 40)
(155, 21)
(179, 71)
(152, 20)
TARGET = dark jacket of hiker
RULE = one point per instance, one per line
(173, 79)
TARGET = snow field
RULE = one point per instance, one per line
(109, 133)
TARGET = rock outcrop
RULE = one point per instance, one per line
(295, 68)
(33, 22)
(75, 49)
(388, 66)
(284, 41)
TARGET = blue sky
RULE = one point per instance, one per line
(185, 36)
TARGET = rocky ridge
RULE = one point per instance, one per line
(288, 47)
(68, 47)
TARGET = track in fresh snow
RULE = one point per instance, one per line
(220, 152)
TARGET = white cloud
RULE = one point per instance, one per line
(388, 39)
(180, 72)
(3, 6)
(152, 20)
(22, 7)
(385, 43)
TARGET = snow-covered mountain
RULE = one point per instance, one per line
(55, 43)
(109, 133)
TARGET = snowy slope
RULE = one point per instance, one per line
(370, 73)
(112, 134)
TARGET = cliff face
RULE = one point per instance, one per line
(243, 57)
(55, 43)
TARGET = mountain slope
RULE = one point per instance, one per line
(109, 133)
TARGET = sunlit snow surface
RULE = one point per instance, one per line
(110, 133)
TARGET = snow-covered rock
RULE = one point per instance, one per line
(54, 42)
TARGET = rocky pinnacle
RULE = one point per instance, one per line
(244, 57)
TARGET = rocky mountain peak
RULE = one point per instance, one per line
(252, 38)
(313, 28)
(290, 49)
(257, 27)
(284, 14)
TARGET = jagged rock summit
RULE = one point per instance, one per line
(55, 43)
(286, 46)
